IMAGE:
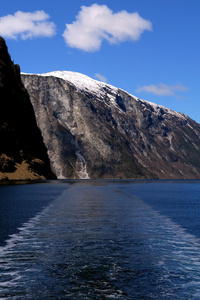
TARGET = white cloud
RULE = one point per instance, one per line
(162, 89)
(26, 25)
(97, 23)
(101, 77)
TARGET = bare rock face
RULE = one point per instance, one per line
(23, 154)
(94, 130)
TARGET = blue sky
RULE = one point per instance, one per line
(150, 48)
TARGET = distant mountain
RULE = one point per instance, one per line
(94, 130)
(23, 154)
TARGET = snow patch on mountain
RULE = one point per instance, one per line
(82, 82)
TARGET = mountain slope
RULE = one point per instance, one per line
(23, 154)
(94, 130)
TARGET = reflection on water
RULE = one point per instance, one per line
(100, 241)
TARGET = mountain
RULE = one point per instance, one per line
(23, 154)
(94, 130)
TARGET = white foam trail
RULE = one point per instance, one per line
(14, 254)
(18, 237)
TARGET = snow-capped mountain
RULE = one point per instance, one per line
(94, 130)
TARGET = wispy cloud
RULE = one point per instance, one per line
(101, 77)
(97, 23)
(162, 89)
(26, 25)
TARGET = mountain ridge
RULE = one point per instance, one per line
(87, 84)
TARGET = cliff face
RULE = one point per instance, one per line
(23, 154)
(94, 130)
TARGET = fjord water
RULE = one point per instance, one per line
(100, 240)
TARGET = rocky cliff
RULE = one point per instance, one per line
(23, 154)
(94, 130)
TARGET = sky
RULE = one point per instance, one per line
(149, 48)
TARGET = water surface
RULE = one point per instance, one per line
(100, 240)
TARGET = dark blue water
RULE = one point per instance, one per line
(100, 240)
